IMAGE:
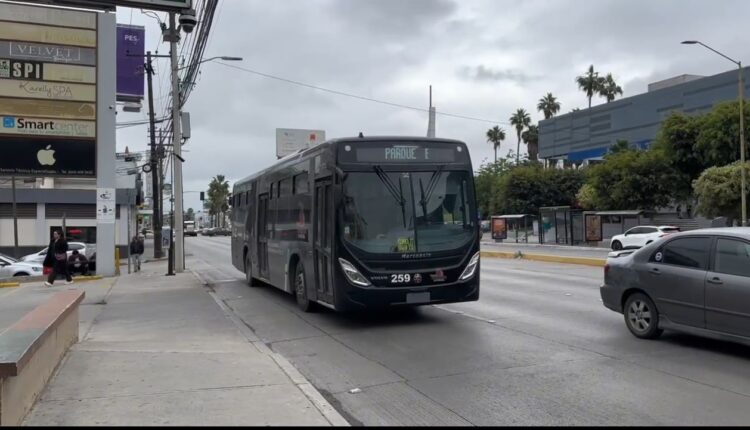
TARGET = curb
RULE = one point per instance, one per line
(87, 278)
(595, 262)
(9, 284)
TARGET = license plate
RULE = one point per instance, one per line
(414, 298)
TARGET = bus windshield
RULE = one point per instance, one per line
(399, 212)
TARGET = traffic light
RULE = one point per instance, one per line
(203, 196)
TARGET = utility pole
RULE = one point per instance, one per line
(177, 232)
(15, 219)
(155, 162)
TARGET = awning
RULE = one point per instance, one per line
(621, 213)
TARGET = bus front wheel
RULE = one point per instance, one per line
(300, 289)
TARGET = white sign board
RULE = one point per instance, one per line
(291, 140)
(105, 205)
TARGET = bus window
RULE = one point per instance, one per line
(271, 194)
(285, 187)
(300, 184)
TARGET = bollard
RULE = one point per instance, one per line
(117, 261)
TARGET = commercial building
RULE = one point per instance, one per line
(43, 203)
(587, 134)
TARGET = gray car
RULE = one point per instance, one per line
(696, 282)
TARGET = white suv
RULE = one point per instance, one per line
(640, 236)
(87, 249)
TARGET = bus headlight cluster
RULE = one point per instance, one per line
(353, 274)
(470, 269)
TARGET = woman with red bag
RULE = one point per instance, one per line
(57, 259)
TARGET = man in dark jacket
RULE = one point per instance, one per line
(57, 259)
(78, 263)
(136, 250)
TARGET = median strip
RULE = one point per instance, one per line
(596, 262)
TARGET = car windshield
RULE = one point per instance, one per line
(388, 212)
(9, 258)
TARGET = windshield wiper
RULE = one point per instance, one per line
(395, 192)
(430, 188)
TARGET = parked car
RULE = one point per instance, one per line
(10, 267)
(87, 249)
(223, 232)
(697, 282)
(210, 231)
(640, 236)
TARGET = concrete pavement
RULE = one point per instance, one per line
(161, 351)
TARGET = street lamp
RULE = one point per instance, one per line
(742, 121)
(222, 58)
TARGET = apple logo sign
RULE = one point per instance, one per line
(46, 156)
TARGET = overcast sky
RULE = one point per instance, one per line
(484, 59)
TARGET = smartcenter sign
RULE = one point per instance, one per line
(48, 91)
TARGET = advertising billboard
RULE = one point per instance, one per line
(131, 49)
(499, 228)
(48, 91)
(291, 140)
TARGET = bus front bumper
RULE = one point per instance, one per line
(380, 297)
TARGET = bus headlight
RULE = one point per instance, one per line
(353, 274)
(470, 269)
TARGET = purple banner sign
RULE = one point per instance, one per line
(131, 42)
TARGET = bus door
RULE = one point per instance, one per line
(262, 234)
(323, 238)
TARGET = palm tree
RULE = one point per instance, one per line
(548, 105)
(590, 83)
(610, 89)
(495, 135)
(218, 192)
(520, 120)
(531, 139)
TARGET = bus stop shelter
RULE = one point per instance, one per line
(617, 222)
(520, 224)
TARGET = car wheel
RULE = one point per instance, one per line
(21, 274)
(642, 317)
(249, 272)
(616, 245)
(300, 289)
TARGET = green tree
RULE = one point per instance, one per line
(590, 83)
(524, 189)
(218, 193)
(621, 145)
(609, 88)
(586, 197)
(484, 178)
(520, 120)
(531, 139)
(719, 136)
(718, 191)
(677, 139)
(495, 136)
(190, 215)
(632, 180)
(548, 105)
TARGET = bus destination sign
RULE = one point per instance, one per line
(406, 154)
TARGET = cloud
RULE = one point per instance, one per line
(481, 73)
(483, 58)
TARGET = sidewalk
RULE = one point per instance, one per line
(163, 352)
(535, 248)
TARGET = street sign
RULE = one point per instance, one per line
(291, 140)
(162, 5)
(105, 205)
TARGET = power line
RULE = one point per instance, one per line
(355, 96)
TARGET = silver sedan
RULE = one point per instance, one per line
(696, 282)
(10, 267)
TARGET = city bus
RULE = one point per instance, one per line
(366, 222)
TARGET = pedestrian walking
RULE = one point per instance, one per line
(57, 259)
(136, 250)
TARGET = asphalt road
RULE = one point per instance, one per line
(538, 348)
